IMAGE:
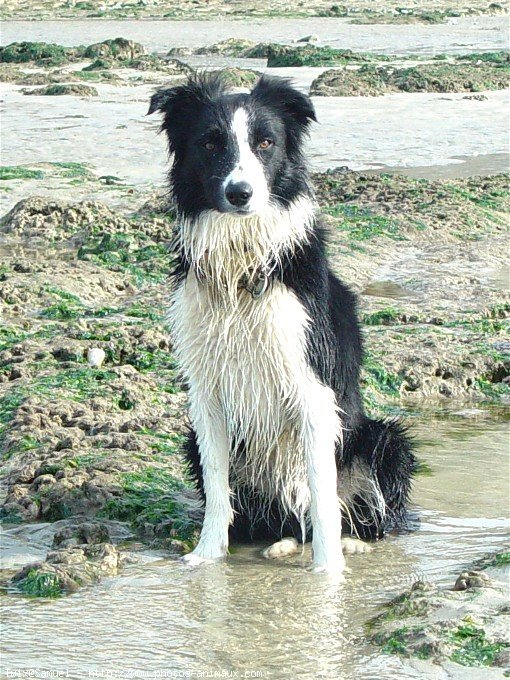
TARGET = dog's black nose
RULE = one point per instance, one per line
(238, 194)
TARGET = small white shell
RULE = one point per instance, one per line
(96, 356)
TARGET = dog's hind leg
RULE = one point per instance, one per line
(290, 546)
(214, 447)
(353, 546)
(376, 471)
(284, 548)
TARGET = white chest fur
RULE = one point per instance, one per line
(246, 359)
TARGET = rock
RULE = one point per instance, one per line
(239, 77)
(309, 39)
(443, 626)
(180, 52)
(503, 658)
(67, 352)
(76, 89)
(283, 548)
(88, 533)
(96, 357)
(231, 47)
(476, 97)
(66, 570)
(472, 579)
(496, 8)
(38, 217)
(119, 49)
(43, 480)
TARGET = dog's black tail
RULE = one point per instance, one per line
(376, 470)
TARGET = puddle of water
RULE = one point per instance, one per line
(407, 130)
(500, 277)
(421, 274)
(254, 615)
(387, 289)
(461, 166)
(465, 35)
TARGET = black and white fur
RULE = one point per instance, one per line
(266, 336)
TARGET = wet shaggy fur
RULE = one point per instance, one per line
(272, 371)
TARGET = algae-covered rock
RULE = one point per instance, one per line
(367, 81)
(100, 64)
(240, 77)
(150, 62)
(312, 55)
(67, 569)
(231, 47)
(465, 625)
(44, 54)
(118, 48)
(38, 217)
(94, 441)
(498, 57)
(10, 74)
(57, 90)
(450, 78)
(370, 80)
(258, 51)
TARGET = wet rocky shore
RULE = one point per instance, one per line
(92, 408)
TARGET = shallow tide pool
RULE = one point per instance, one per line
(275, 618)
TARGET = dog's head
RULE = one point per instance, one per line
(235, 153)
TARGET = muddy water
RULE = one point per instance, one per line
(254, 615)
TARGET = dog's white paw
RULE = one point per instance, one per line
(283, 548)
(353, 546)
(204, 554)
(330, 562)
(333, 571)
(194, 560)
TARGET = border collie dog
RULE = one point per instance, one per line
(266, 336)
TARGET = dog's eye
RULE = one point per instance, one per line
(210, 146)
(265, 144)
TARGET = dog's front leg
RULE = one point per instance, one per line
(214, 449)
(321, 431)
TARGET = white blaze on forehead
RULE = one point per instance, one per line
(248, 168)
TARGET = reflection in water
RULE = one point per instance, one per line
(252, 615)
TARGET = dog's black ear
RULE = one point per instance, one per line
(179, 103)
(159, 100)
(280, 93)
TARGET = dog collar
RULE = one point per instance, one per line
(258, 287)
